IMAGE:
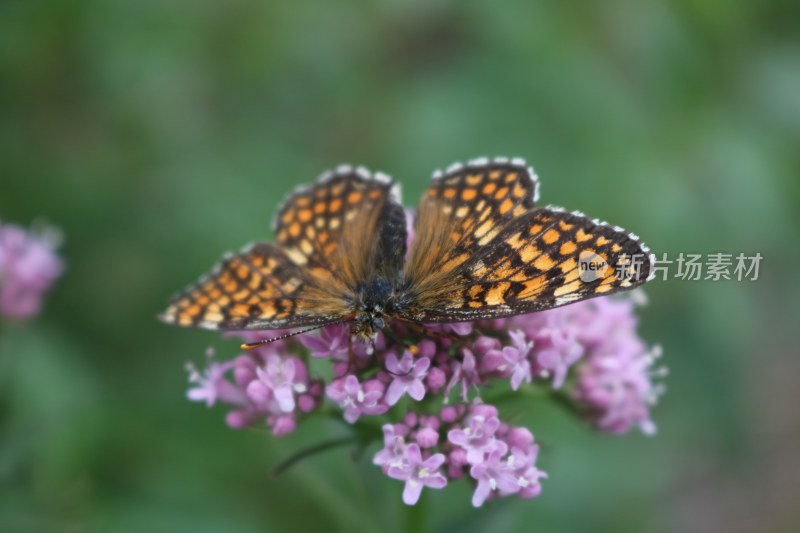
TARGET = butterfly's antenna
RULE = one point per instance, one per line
(254, 345)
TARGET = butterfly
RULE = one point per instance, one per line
(481, 249)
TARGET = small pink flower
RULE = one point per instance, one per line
(355, 399)
(478, 439)
(418, 473)
(283, 377)
(211, 385)
(493, 475)
(557, 349)
(28, 267)
(393, 452)
(511, 361)
(465, 373)
(522, 461)
(407, 376)
(332, 341)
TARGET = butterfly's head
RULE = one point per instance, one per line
(371, 308)
(367, 325)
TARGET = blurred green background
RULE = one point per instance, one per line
(159, 134)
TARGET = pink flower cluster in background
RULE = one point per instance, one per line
(28, 267)
(588, 354)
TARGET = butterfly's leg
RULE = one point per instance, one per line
(351, 355)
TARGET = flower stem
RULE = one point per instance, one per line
(286, 464)
(414, 516)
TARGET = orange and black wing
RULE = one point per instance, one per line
(329, 237)
(345, 228)
(458, 218)
(258, 288)
(532, 260)
(464, 209)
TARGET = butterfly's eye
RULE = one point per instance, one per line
(378, 323)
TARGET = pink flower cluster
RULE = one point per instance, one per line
(28, 267)
(463, 440)
(268, 385)
(589, 354)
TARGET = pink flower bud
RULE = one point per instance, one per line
(427, 438)
(436, 379)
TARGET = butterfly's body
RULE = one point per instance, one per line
(374, 305)
(480, 250)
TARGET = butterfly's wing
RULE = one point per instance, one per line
(460, 214)
(346, 226)
(258, 288)
(532, 260)
(327, 236)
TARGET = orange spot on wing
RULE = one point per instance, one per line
(567, 248)
(529, 253)
(484, 228)
(544, 262)
(496, 294)
(582, 236)
(550, 236)
(213, 316)
(267, 309)
(254, 282)
(240, 310)
(468, 194)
